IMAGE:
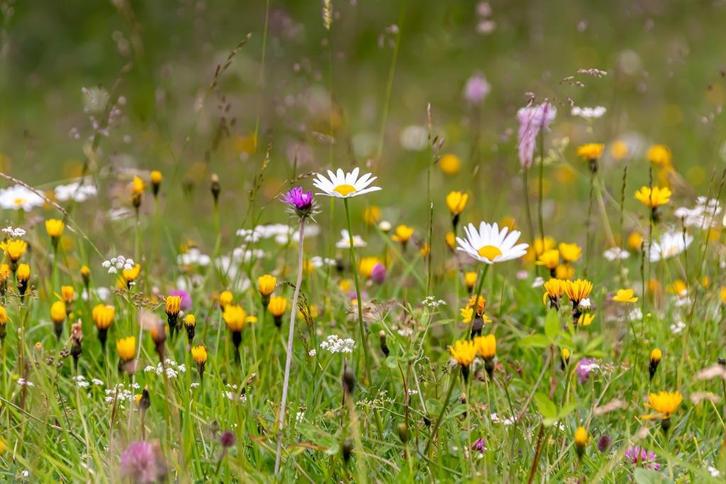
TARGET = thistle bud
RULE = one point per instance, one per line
(403, 432)
(215, 188)
(384, 346)
(348, 380)
(347, 450)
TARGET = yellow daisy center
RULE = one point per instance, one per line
(344, 189)
(490, 252)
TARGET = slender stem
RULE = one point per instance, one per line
(290, 337)
(354, 269)
(435, 430)
(525, 189)
(541, 185)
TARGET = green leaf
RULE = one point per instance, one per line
(534, 341)
(546, 407)
(552, 325)
(566, 410)
(391, 362)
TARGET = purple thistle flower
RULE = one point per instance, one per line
(186, 299)
(603, 443)
(378, 273)
(227, 439)
(476, 89)
(532, 119)
(299, 200)
(479, 445)
(584, 367)
(639, 456)
(142, 462)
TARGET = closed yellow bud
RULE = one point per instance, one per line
(126, 348)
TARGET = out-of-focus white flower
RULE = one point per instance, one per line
(344, 242)
(635, 314)
(414, 138)
(18, 197)
(432, 302)
(538, 282)
(318, 261)
(193, 257)
(78, 191)
(385, 226)
(678, 327)
(589, 112)
(669, 244)
(616, 253)
(118, 263)
(497, 419)
(585, 304)
(335, 344)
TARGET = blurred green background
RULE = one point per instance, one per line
(664, 83)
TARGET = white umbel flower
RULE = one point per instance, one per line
(345, 185)
(489, 244)
(344, 242)
(670, 244)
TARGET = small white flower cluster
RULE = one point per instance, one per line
(14, 232)
(317, 261)
(102, 293)
(585, 304)
(705, 214)
(312, 353)
(432, 302)
(344, 242)
(232, 393)
(588, 112)
(497, 419)
(120, 393)
(300, 416)
(335, 344)
(78, 191)
(193, 257)
(280, 232)
(713, 471)
(635, 315)
(171, 367)
(405, 331)
(616, 253)
(25, 383)
(678, 327)
(538, 282)
(81, 381)
(115, 264)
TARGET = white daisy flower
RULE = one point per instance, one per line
(489, 244)
(345, 185)
(344, 242)
(18, 197)
(670, 244)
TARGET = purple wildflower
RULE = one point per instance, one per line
(142, 462)
(186, 299)
(584, 367)
(479, 445)
(378, 273)
(476, 90)
(227, 439)
(299, 200)
(532, 120)
(639, 456)
(603, 443)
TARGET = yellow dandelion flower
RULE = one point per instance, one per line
(654, 197)
(625, 296)
(569, 252)
(450, 164)
(126, 348)
(463, 352)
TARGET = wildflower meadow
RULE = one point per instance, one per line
(355, 241)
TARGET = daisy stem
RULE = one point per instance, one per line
(359, 301)
(435, 430)
(290, 336)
